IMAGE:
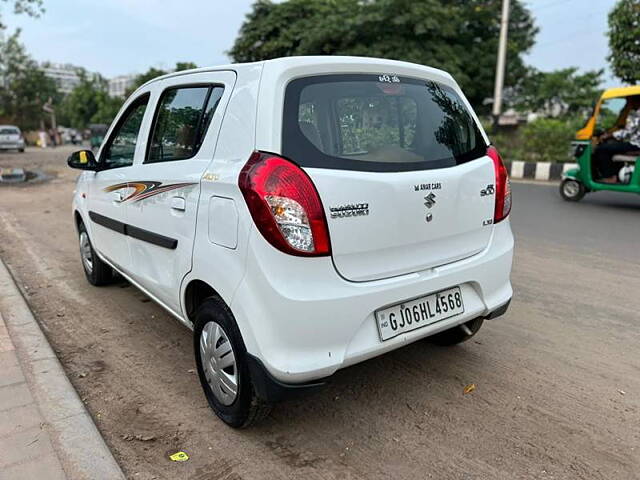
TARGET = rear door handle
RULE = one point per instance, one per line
(179, 203)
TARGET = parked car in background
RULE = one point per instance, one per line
(300, 215)
(11, 138)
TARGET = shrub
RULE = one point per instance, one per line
(542, 140)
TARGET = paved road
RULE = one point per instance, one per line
(558, 384)
(603, 223)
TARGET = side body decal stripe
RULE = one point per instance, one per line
(134, 232)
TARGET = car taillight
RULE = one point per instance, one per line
(285, 205)
(503, 187)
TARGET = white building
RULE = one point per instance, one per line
(119, 85)
(65, 75)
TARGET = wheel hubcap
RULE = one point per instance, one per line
(85, 252)
(219, 363)
(571, 189)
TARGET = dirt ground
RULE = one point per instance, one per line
(557, 379)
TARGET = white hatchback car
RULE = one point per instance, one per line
(11, 138)
(300, 215)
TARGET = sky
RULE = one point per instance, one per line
(116, 37)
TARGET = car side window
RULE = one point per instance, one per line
(121, 147)
(181, 122)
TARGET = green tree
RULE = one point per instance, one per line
(542, 140)
(25, 88)
(89, 102)
(624, 40)
(146, 76)
(460, 36)
(33, 8)
(559, 93)
(180, 66)
(156, 72)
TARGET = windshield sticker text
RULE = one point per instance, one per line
(388, 78)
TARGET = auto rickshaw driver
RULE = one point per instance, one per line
(618, 141)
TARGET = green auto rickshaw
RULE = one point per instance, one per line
(609, 115)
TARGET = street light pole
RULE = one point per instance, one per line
(500, 65)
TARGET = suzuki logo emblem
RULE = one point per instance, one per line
(429, 201)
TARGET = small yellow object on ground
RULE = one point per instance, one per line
(469, 388)
(179, 457)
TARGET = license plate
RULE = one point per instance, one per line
(420, 312)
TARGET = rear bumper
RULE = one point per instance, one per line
(272, 390)
(11, 145)
(304, 322)
(498, 312)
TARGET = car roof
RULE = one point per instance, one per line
(621, 92)
(9, 126)
(290, 63)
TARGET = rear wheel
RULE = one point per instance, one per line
(222, 367)
(97, 272)
(458, 334)
(572, 190)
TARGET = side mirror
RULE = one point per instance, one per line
(83, 160)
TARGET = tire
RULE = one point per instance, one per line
(21, 150)
(97, 272)
(214, 328)
(457, 334)
(572, 190)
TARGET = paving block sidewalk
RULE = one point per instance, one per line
(45, 430)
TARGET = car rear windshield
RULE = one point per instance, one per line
(9, 131)
(377, 123)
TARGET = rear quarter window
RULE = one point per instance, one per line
(377, 123)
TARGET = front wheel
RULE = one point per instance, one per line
(97, 272)
(572, 190)
(222, 366)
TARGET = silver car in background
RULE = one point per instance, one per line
(11, 138)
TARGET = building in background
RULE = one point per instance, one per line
(65, 75)
(119, 85)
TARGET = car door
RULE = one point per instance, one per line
(166, 185)
(108, 188)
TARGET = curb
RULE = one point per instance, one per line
(76, 440)
(542, 171)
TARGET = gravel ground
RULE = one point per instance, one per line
(557, 379)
